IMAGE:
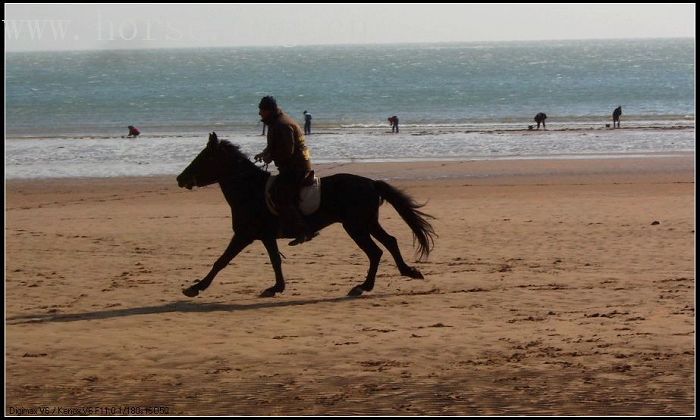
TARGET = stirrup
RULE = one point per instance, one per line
(303, 238)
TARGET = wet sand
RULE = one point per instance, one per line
(549, 291)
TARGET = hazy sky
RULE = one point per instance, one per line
(89, 26)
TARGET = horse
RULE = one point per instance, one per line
(348, 199)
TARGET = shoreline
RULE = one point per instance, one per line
(479, 170)
(147, 156)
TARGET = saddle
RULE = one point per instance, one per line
(309, 195)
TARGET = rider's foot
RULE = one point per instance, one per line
(303, 238)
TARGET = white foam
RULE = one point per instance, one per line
(168, 155)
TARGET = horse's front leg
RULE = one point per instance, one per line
(274, 253)
(237, 244)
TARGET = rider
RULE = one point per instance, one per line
(286, 147)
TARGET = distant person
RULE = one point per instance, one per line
(133, 132)
(539, 119)
(263, 133)
(394, 121)
(307, 122)
(616, 116)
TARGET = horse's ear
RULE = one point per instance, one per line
(213, 139)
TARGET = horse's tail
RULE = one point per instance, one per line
(407, 208)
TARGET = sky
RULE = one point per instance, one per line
(53, 27)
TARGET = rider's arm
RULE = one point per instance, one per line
(264, 155)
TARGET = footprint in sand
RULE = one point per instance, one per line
(34, 355)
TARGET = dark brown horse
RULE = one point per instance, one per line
(348, 199)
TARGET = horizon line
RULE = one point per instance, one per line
(350, 44)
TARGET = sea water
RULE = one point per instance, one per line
(66, 112)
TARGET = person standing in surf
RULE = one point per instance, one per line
(539, 119)
(394, 121)
(616, 116)
(307, 122)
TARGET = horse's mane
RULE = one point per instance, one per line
(233, 150)
(234, 153)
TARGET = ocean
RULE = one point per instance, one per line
(66, 112)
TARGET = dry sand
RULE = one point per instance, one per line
(549, 292)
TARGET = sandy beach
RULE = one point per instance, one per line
(555, 287)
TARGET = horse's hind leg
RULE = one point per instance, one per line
(362, 238)
(392, 245)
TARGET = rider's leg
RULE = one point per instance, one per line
(287, 201)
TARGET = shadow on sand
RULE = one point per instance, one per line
(180, 306)
(188, 306)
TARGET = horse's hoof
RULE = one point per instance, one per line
(414, 274)
(190, 291)
(268, 292)
(356, 291)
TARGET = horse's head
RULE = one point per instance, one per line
(207, 168)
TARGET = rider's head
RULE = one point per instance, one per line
(268, 107)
